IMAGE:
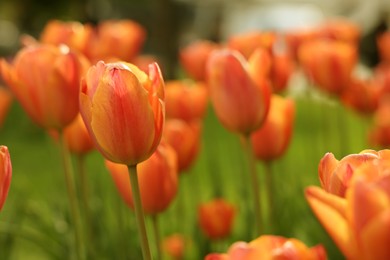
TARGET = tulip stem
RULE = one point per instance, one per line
(72, 196)
(156, 230)
(255, 184)
(269, 190)
(139, 213)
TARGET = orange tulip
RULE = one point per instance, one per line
(46, 79)
(5, 103)
(5, 174)
(123, 110)
(379, 134)
(77, 137)
(268, 247)
(238, 90)
(271, 140)
(296, 38)
(174, 246)
(194, 57)
(143, 61)
(281, 70)
(157, 178)
(185, 100)
(383, 43)
(341, 30)
(335, 176)
(247, 43)
(184, 137)
(359, 224)
(216, 218)
(329, 64)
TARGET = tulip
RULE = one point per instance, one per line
(157, 177)
(174, 246)
(185, 100)
(77, 137)
(45, 80)
(216, 218)
(5, 174)
(383, 43)
(247, 43)
(296, 38)
(238, 90)
(335, 176)
(341, 30)
(269, 247)
(271, 140)
(379, 134)
(359, 224)
(329, 64)
(5, 103)
(281, 70)
(123, 110)
(194, 56)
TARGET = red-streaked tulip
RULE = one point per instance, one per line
(269, 247)
(329, 64)
(335, 176)
(174, 246)
(216, 218)
(238, 90)
(77, 137)
(45, 79)
(157, 178)
(383, 43)
(271, 140)
(123, 110)
(185, 100)
(5, 174)
(185, 138)
(359, 224)
(194, 56)
(247, 43)
(341, 30)
(6, 98)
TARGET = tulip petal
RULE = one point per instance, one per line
(326, 167)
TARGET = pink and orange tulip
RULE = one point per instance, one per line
(157, 178)
(123, 110)
(268, 247)
(216, 218)
(359, 224)
(271, 140)
(5, 174)
(239, 92)
(45, 79)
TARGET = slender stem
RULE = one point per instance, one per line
(73, 202)
(269, 190)
(255, 184)
(157, 239)
(139, 213)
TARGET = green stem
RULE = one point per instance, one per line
(255, 184)
(269, 190)
(139, 213)
(73, 202)
(157, 239)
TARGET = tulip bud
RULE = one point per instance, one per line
(5, 174)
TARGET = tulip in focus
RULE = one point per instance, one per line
(123, 110)
(5, 103)
(359, 224)
(269, 247)
(239, 93)
(174, 246)
(5, 174)
(271, 140)
(157, 178)
(77, 137)
(216, 218)
(45, 79)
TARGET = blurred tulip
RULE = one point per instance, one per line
(185, 138)
(359, 224)
(238, 90)
(216, 218)
(194, 57)
(143, 61)
(174, 246)
(335, 176)
(296, 38)
(340, 30)
(329, 64)
(247, 43)
(5, 103)
(5, 174)
(379, 134)
(281, 70)
(46, 79)
(185, 100)
(269, 247)
(271, 140)
(77, 137)
(123, 110)
(157, 177)
(383, 44)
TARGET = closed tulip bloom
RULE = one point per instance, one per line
(194, 56)
(281, 71)
(174, 246)
(379, 134)
(5, 103)
(329, 64)
(269, 247)
(238, 90)
(123, 110)
(341, 30)
(383, 43)
(157, 178)
(77, 137)
(185, 100)
(5, 174)
(216, 218)
(271, 140)
(335, 175)
(247, 43)
(359, 224)
(45, 80)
